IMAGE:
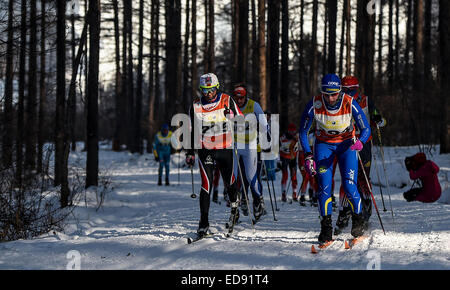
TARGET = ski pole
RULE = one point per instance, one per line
(179, 153)
(274, 196)
(245, 190)
(371, 194)
(385, 173)
(193, 195)
(268, 188)
(379, 180)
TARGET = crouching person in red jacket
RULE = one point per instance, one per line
(425, 170)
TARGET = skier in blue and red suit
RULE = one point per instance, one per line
(333, 112)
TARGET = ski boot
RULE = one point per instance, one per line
(357, 225)
(342, 221)
(283, 196)
(234, 215)
(159, 181)
(294, 196)
(326, 230)
(259, 208)
(302, 200)
(167, 181)
(244, 207)
(202, 229)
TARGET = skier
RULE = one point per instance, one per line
(269, 158)
(425, 170)
(246, 138)
(162, 150)
(288, 158)
(350, 86)
(307, 179)
(211, 123)
(216, 180)
(332, 112)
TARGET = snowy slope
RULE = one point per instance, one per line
(143, 226)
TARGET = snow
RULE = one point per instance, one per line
(144, 226)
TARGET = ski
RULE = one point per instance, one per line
(320, 247)
(352, 242)
(198, 238)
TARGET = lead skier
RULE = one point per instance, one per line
(333, 111)
(212, 128)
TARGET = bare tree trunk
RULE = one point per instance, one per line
(42, 90)
(348, 19)
(428, 42)
(273, 69)
(444, 33)
(391, 46)
(284, 89)
(92, 94)
(186, 90)
(30, 128)
(341, 49)
(262, 53)
(194, 80)
(73, 108)
(153, 67)
(173, 56)
(418, 69)
(130, 100)
(118, 77)
(60, 92)
(138, 110)
(242, 42)
(301, 61)
(8, 131)
(235, 39)
(20, 105)
(365, 46)
(380, 46)
(332, 14)
(255, 55)
(211, 38)
(313, 74)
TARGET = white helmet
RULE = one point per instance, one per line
(208, 81)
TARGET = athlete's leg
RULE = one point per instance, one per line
(324, 156)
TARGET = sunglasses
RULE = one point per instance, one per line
(208, 90)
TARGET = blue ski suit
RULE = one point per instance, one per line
(161, 150)
(334, 132)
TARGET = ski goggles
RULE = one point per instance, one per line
(208, 90)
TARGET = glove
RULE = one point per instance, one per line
(377, 118)
(357, 146)
(190, 159)
(156, 158)
(310, 164)
(227, 111)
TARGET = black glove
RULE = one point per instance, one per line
(377, 118)
(227, 111)
(156, 158)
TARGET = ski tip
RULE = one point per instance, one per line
(189, 241)
(313, 250)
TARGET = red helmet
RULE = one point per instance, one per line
(349, 82)
(240, 92)
(292, 128)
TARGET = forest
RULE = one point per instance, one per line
(87, 71)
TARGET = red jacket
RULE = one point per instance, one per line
(431, 187)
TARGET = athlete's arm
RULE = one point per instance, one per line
(361, 122)
(305, 125)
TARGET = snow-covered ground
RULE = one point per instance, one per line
(144, 226)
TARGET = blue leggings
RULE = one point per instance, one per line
(324, 154)
(164, 162)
